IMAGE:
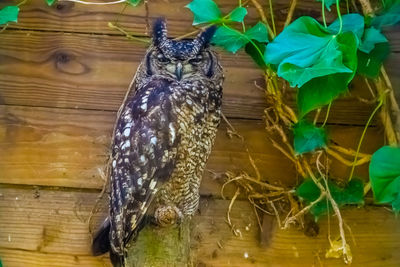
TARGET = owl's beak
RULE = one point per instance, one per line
(178, 71)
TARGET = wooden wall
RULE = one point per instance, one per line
(63, 75)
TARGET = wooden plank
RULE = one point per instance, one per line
(80, 71)
(49, 226)
(394, 73)
(93, 72)
(370, 226)
(72, 17)
(67, 148)
(62, 147)
(21, 258)
(67, 16)
(393, 35)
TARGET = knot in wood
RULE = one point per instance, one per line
(64, 7)
(167, 215)
(62, 57)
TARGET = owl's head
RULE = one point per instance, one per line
(180, 59)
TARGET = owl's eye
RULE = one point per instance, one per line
(162, 59)
(196, 60)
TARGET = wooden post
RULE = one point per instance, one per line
(161, 246)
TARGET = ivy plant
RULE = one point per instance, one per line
(352, 193)
(384, 171)
(320, 61)
(388, 16)
(9, 14)
(50, 2)
(308, 137)
(227, 36)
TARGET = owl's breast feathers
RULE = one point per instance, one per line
(152, 144)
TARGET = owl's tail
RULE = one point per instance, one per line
(101, 244)
(101, 240)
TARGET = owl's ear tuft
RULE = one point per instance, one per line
(159, 31)
(205, 37)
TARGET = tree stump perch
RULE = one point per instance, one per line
(161, 246)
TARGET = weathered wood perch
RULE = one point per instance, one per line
(161, 246)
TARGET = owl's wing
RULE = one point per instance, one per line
(143, 156)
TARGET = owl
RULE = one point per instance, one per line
(162, 139)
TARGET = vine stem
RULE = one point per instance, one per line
(327, 114)
(128, 35)
(346, 162)
(367, 187)
(22, 3)
(120, 13)
(346, 255)
(363, 135)
(339, 16)
(260, 11)
(348, 151)
(271, 10)
(243, 26)
(390, 129)
(366, 7)
(289, 17)
(391, 135)
(4, 28)
(292, 219)
(323, 13)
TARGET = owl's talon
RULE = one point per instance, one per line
(168, 215)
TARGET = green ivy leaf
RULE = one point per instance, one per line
(9, 14)
(131, 2)
(371, 37)
(352, 193)
(232, 40)
(305, 50)
(389, 17)
(321, 91)
(255, 55)
(259, 32)
(310, 57)
(369, 65)
(384, 171)
(50, 2)
(328, 3)
(353, 22)
(204, 11)
(238, 14)
(389, 3)
(308, 137)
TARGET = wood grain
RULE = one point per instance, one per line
(23, 258)
(67, 16)
(68, 148)
(93, 72)
(48, 228)
(394, 73)
(63, 75)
